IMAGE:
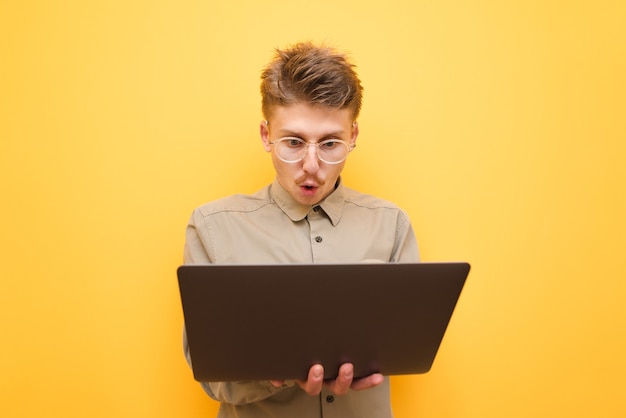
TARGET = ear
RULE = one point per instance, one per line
(355, 133)
(265, 135)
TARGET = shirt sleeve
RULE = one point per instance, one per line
(405, 248)
(197, 243)
(197, 251)
(236, 393)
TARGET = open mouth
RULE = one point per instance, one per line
(308, 189)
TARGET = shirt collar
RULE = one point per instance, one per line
(332, 205)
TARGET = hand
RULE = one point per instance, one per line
(340, 386)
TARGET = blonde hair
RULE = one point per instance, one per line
(306, 73)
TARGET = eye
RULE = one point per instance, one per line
(293, 142)
(330, 144)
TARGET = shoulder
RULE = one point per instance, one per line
(353, 197)
(374, 208)
(236, 203)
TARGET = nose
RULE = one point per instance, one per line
(310, 164)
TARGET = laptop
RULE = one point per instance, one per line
(273, 322)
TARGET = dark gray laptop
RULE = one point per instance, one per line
(258, 322)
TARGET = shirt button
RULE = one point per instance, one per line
(318, 239)
(316, 209)
(330, 399)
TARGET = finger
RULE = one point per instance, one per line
(341, 385)
(277, 383)
(367, 382)
(315, 380)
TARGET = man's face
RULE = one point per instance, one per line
(308, 181)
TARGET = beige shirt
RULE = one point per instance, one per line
(269, 227)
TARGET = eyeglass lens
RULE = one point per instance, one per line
(294, 149)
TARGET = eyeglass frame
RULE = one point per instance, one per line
(317, 145)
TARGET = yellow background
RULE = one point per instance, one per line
(498, 125)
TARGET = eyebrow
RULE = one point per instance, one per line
(289, 132)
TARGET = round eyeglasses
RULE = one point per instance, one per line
(293, 150)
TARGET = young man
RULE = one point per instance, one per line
(311, 98)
